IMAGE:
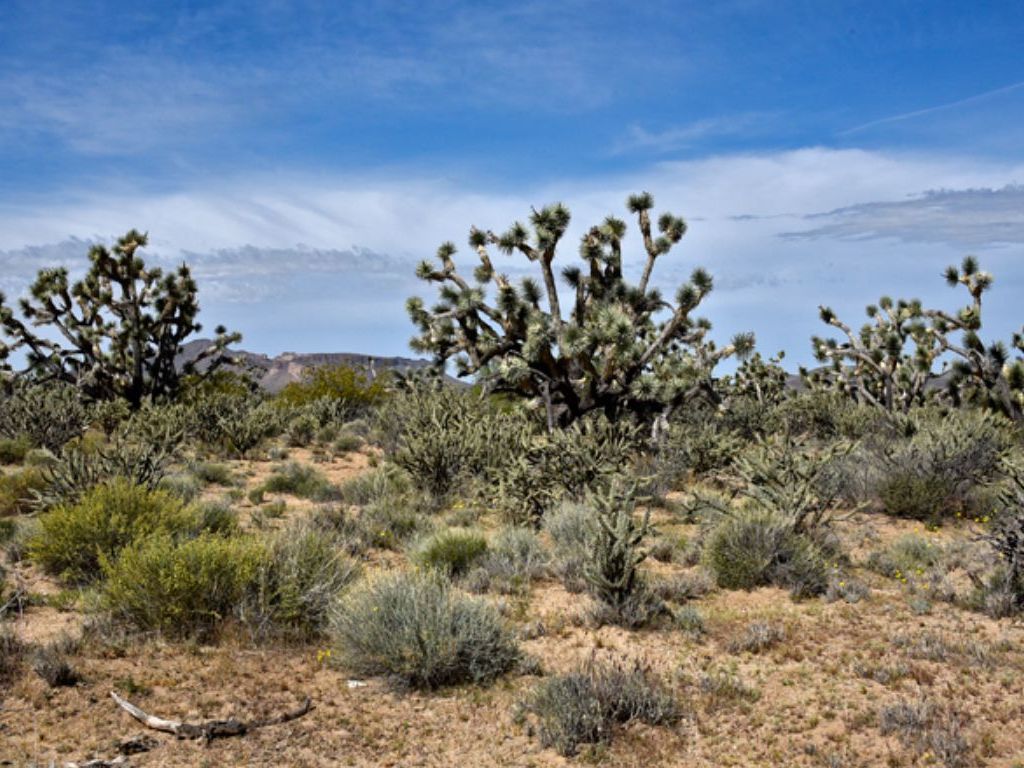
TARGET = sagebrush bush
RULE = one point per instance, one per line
(754, 548)
(53, 664)
(418, 629)
(568, 526)
(300, 480)
(184, 588)
(12, 654)
(905, 556)
(582, 707)
(949, 456)
(452, 551)
(516, 557)
(72, 539)
(297, 583)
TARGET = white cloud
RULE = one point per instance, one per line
(330, 262)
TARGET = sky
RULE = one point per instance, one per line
(302, 157)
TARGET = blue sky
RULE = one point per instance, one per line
(303, 156)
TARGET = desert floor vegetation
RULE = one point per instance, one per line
(552, 566)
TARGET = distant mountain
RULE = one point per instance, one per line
(274, 373)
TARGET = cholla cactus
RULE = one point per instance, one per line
(606, 352)
(115, 333)
(891, 362)
(762, 380)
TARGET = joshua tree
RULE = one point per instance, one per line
(115, 333)
(618, 348)
(890, 363)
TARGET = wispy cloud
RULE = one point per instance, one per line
(975, 99)
(682, 136)
(967, 218)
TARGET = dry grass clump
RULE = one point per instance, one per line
(583, 706)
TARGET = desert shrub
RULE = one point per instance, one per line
(13, 449)
(683, 587)
(1003, 594)
(416, 628)
(907, 555)
(347, 384)
(301, 430)
(18, 490)
(212, 473)
(47, 415)
(566, 464)
(701, 443)
(568, 527)
(346, 442)
(17, 541)
(303, 573)
(12, 654)
(73, 539)
(388, 525)
(928, 729)
(52, 663)
(213, 517)
(300, 480)
(756, 637)
(141, 453)
(516, 557)
(723, 686)
(184, 485)
(181, 588)
(381, 484)
(691, 621)
(934, 473)
(452, 551)
(583, 706)
(828, 415)
(753, 548)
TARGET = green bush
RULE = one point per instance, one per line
(515, 557)
(936, 472)
(754, 548)
(18, 491)
(297, 583)
(72, 539)
(13, 449)
(182, 588)
(451, 551)
(418, 629)
(300, 480)
(905, 556)
(583, 706)
(339, 382)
